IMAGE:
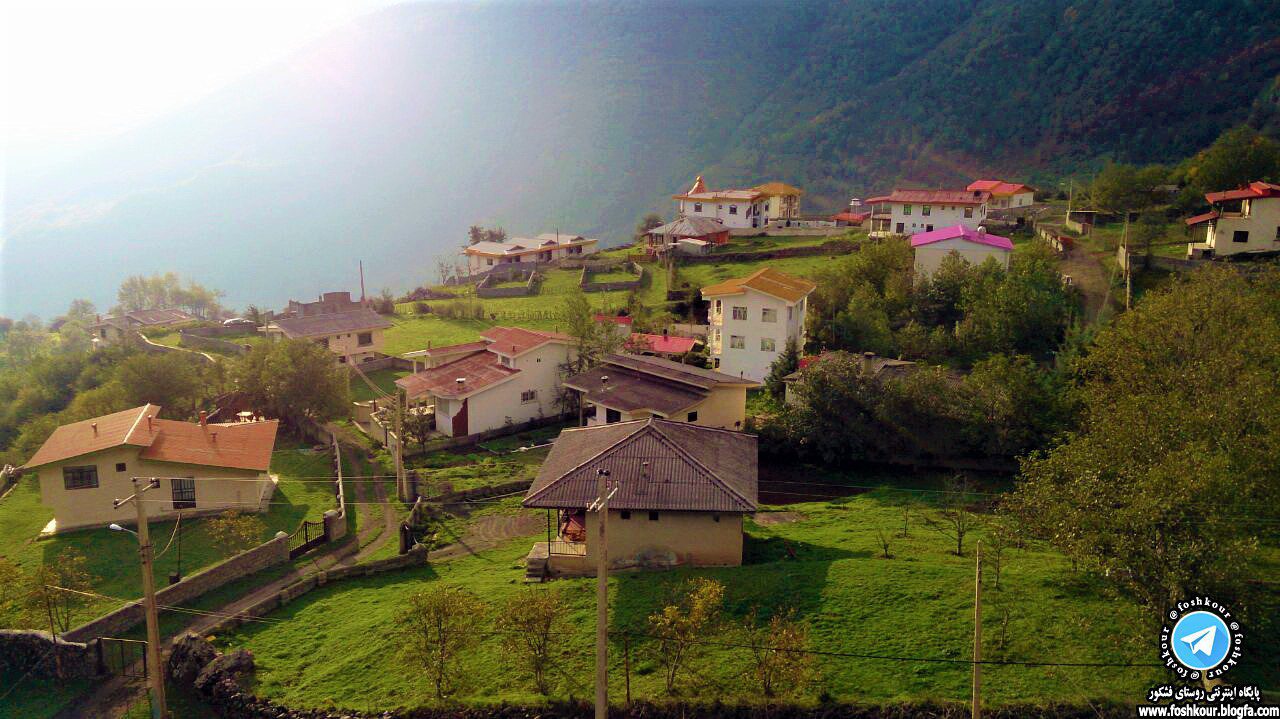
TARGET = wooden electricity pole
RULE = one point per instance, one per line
(601, 507)
(397, 420)
(1128, 263)
(977, 631)
(155, 670)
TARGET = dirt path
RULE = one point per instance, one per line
(1090, 276)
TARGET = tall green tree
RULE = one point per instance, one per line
(1124, 188)
(787, 363)
(294, 380)
(169, 379)
(646, 223)
(1240, 155)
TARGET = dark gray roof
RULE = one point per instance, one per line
(676, 372)
(628, 390)
(655, 464)
(690, 226)
(315, 325)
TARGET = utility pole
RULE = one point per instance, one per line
(977, 631)
(1128, 263)
(397, 409)
(601, 506)
(155, 673)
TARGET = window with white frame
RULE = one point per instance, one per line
(790, 311)
(739, 313)
(768, 315)
(733, 209)
(968, 212)
(768, 345)
(529, 395)
(719, 306)
(906, 209)
(925, 210)
(737, 342)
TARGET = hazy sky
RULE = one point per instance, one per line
(75, 70)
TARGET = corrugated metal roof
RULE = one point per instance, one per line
(627, 390)
(320, 325)
(655, 465)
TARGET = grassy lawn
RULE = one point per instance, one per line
(611, 276)
(702, 274)
(444, 472)
(777, 242)
(826, 564)
(112, 556)
(385, 379)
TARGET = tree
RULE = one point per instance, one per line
(683, 623)
(532, 622)
(646, 223)
(255, 314)
(787, 363)
(418, 425)
(1178, 447)
(780, 663)
(952, 518)
(169, 379)
(235, 531)
(436, 626)
(1127, 188)
(475, 234)
(295, 380)
(1239, 156)
(45, 595)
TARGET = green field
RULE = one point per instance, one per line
(826, 565)
(113, 556)
(385, 379)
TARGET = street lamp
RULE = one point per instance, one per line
(117, 528)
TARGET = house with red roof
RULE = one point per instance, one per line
(906, 212)
(753, 207)
(1005, 195)
(511, 376)
(975, 246)
(201, 467)
(663, 345)
(1246, 219)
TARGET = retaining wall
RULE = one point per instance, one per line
(588, 286)
(272, 552)
(24, 650)
(833, 247)
(386, 362)
(189, 339)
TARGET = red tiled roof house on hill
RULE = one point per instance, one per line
(1242, 220)
(511, 376)
(1005, 195)
(740, 208)
(906, 212)
(202, 467)
(681, 493)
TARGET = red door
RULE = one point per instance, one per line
(460, 421)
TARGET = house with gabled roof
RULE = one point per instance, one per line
(1246, 219)
(546, 247)
(678, 495)
(752, 318)
(108, 330)
(626, 387)
(739, 208)
(973, 246)
(202, 467)
(906, 212)
(355, 336)
(511, 376)
(1005, 195)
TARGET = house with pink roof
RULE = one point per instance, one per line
(973, 245)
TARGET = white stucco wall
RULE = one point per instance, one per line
(490, 409)
(751, 361)
(903, 223)
(748, 214)
(725, 408)
(929, 257)
(1262, 224)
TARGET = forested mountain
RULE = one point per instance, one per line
(386, 140)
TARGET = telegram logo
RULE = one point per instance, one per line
(1203, 639)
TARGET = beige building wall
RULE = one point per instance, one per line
(347, 345)
(1260, 218)
(752, 360)
(724, 408)
(91, 507)
(697, 539)
(929, 257)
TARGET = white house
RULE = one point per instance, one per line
(544, 248)
(974, 246)
(906, 212)
(740, 209)
(511, 376)
(1243, 220)
(752, 318)
(1005, 195)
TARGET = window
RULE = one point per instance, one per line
(697, 207)
(928, 228)
(899, 228)
(925, 210)
(719, 307)
(768, 315)
(1278, 234)
(529, 395)
(968, 212)
(906, 209)
(612, 416)
(790, 310)
(184, 493)
(489, 262)
(737, 342)
(733, 209)
(1240, 236)
(120, 466)
(364, 339)
(80, 477)
(715, 518)
(768, 345)
(506, 361)
(342, 360)
(625, 514)
(653, 516)
(715, 363)
(693, 417)
(739, 313)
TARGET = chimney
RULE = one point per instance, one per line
(867, 357)
(151, 427)
(95, 428)
(204, 418)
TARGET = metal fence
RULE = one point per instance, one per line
(123, 657)
(308, 536)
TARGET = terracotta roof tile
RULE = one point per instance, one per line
(112, 430)
(518, 340)
(480, 370)
(766, 280)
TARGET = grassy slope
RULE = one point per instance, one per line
(385, 379)
(916, 604)
(112, 556)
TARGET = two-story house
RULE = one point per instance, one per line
(354, 336)
(547, 247)
(752, 318)
(511, 376)
(1242, 220)
(627, 387)
(906, 212)
(739, 209)
(201, 467)
(1005, 195)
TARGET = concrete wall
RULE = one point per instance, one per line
(587, 285)
(695, 539)
(736, 213)
(939, 216)
(751, 361)
(929, 257)
(490, 409)
(1262, 225)
(270, 553)
(216, 488)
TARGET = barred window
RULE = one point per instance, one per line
(184, 493)
(80, 477)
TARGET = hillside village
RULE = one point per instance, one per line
(787, 438)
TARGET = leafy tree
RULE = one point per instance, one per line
(45, 598)
(1126, 188)
(646, 223)
(952, 518)
(1239, 156)
(436, 626)
(532, 622)
(142, 292)
(780, 663)
(168, 379)
(475, 234)
(418, 426)
(1161, 486)
(679, 626)
(787, 363)
(295, 380)
(235, 531)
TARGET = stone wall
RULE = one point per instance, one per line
(386, 362)
(831, 247)
(272, 552)
(485, 290)
(22, 650)
(588, 286)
